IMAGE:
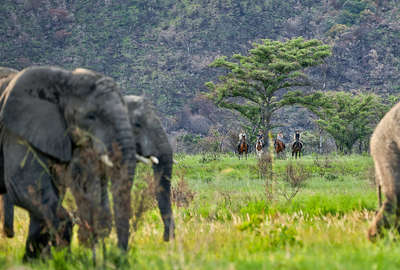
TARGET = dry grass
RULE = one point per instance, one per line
(181, 194)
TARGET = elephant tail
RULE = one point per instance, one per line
(380, 195)
(8, 216)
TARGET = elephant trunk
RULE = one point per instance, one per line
(162, 174)
(122, 179)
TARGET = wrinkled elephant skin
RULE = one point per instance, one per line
(42, 108)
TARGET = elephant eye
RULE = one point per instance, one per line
(91, 116)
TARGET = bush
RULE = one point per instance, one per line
(181, 194)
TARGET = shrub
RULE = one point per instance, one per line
(182, 195)
(294, 177)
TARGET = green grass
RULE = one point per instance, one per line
(232, 224)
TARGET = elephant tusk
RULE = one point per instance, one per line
(174, 161)
(106, 160)
(154, 160)
(143, 159)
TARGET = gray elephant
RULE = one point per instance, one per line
(42, 111)
(152, 142)
(152, 146)
(385, 150)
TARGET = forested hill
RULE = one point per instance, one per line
(163, 47)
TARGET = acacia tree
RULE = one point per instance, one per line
(254, 84)
(347, 117)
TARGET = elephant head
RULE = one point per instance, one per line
(48, 107)
(152, 142)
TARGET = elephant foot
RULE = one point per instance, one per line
(37, 248)
(382, 220)
(9, 232)
(373, 233)
(169, 233)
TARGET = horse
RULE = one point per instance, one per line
(279, 147)
(296, 149)
(259, 148)
(243, 147)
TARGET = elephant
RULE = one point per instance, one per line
(385, 150)
(43, 111)
(152, 146)
(152, 142)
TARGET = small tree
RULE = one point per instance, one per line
(252, 83)
(347, 117)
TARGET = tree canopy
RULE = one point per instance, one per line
(347, 117)
(254, 84)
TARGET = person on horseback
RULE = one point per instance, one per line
(242, 135)
(297, 145)
(243, 146)
(260, 137)
(279, 137)
(297, 138)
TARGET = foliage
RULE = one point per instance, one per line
(347, 117)
(351, 11)
(181, 193)
(253, 82)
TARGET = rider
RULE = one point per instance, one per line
(260, 137)
(297, 138)
(279, 137)
(241, 135)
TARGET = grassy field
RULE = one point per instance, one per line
(230, 216)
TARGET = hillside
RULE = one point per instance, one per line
(162, 48)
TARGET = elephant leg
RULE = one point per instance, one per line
(8, 210)
(50, 225)
(163, 194)
(388, 176)
(38, 241)
(30, 186)
(385, 218)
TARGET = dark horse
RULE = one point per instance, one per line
(279, 147)
(296, 149)
(243, 147)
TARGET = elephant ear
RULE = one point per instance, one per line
(30, 109)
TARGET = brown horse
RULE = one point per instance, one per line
(259, 148)
(296, 149)
(243, 147)
(279, 147)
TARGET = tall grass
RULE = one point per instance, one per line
(228, 222)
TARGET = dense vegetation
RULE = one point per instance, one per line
(230, 216)
(163, 48)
